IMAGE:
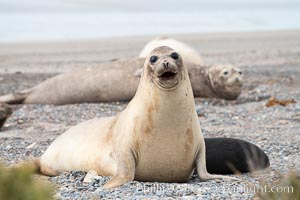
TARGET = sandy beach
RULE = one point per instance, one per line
(271, 65)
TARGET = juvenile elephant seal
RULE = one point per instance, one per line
(5, 112)
(118, 81)
(218, 81)
(148, 141)
(187, 53)
(229, 156)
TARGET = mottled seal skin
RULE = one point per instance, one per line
(187, 53)
(118, 81)
(5, 112)
(148, 141)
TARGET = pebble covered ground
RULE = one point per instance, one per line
(31, 129)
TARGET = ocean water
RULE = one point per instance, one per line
(34, 23)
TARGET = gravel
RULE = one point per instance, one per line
(31, 129)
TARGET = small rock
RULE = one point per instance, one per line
(90, 176)
(200, 111)
(31, 146)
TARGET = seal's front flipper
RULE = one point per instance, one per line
(15, 98)
(125, 171)
(202, 171)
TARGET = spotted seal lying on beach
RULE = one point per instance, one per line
(187, 52)
(118, 81)
(5, 112)
(148, 141)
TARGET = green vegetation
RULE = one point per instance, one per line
(287, 188)
(19, 184)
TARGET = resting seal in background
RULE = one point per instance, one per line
(5, 112)
(148, 141)
(118, 81)
(187, 53)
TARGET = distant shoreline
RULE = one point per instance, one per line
(238, 48)
(75, 26)
(150, 36)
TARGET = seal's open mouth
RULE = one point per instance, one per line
(168, 75)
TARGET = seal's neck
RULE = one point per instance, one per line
(166, 101)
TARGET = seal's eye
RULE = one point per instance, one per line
(240, 73)
(225, 73)
(153, 59)
(174, 55)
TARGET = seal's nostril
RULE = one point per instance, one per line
(236, 79)
(166, 64)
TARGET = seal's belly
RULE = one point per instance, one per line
(173, 162)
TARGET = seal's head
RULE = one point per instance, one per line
(227, 81)
(164, 67)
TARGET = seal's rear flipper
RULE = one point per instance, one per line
(33, 163)
(15, 98)
(229, 156)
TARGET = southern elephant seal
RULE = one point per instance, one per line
(230, 155)
(148, 141)
(187, 53)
